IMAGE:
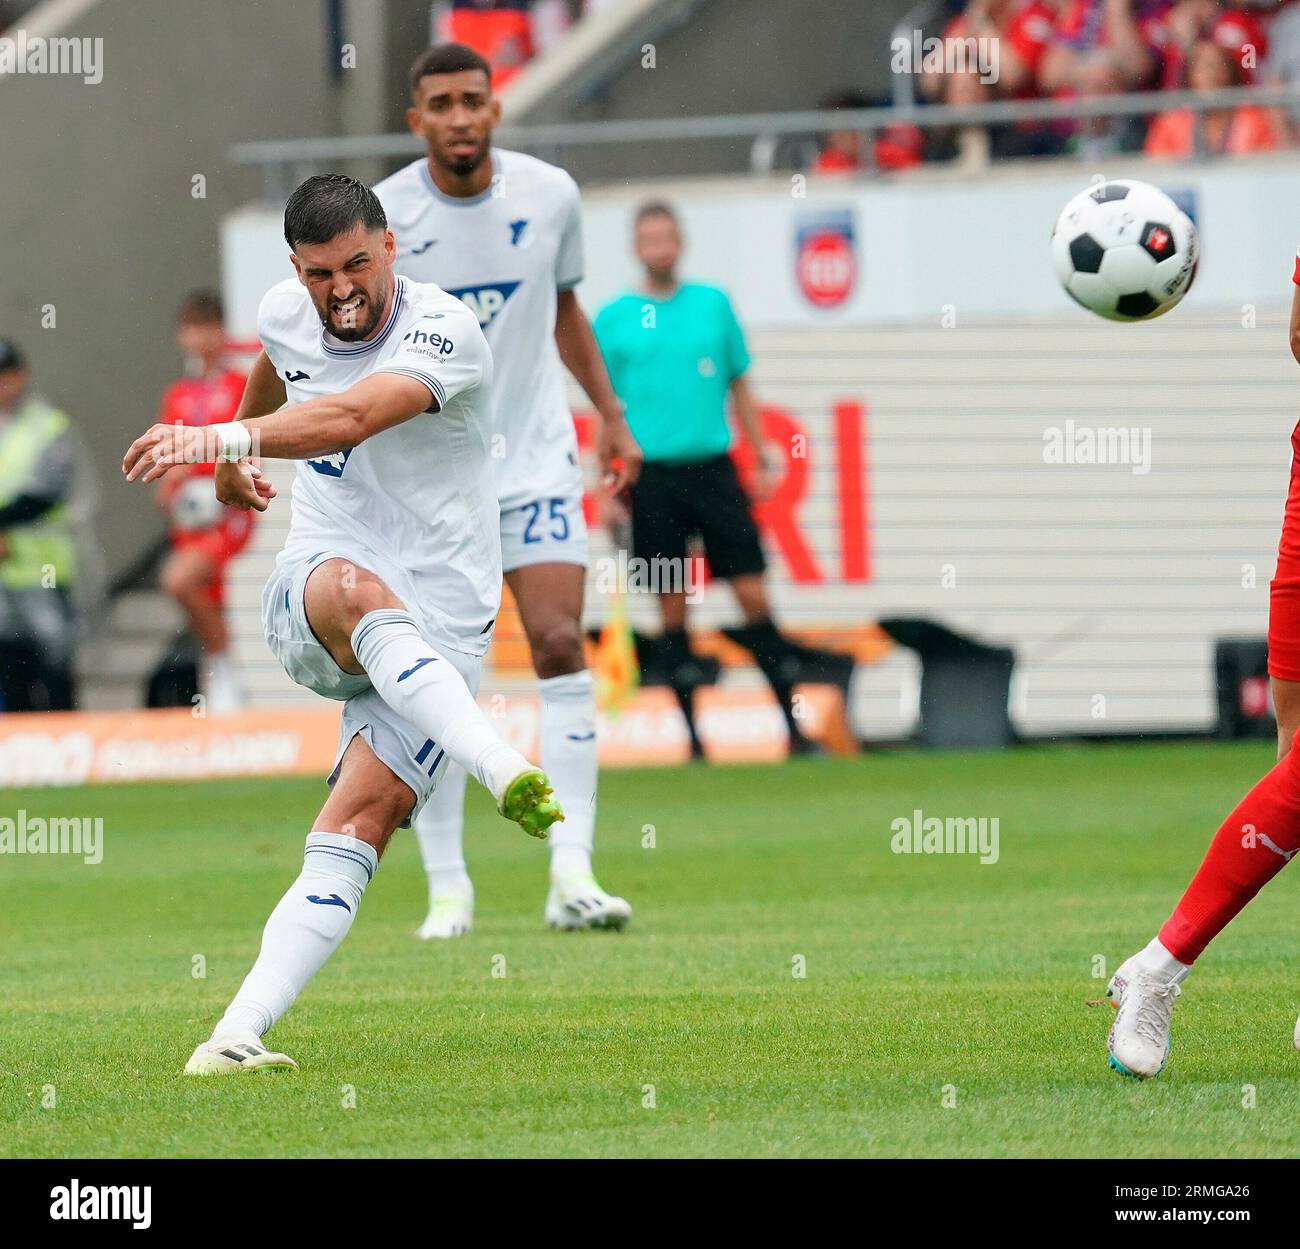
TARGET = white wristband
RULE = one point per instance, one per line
(235, 439)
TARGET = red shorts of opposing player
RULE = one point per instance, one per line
(1284, 592)
(221, 543)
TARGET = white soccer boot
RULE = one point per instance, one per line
(231, 1054)
(579, 902)
(451, 915)
(1143, 1002)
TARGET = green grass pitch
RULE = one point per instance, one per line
(945, 1008)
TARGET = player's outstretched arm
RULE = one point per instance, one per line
(302, 431)
(241, 485)
(620, 454)
(264, 391)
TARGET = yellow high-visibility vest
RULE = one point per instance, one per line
(42, 553)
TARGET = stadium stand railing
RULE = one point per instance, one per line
(285, 161)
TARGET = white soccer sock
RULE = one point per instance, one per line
(1156, 959)
(439, 829)
(423, 687)
(305, 928)
(569, 758)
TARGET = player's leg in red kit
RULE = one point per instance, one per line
(1284, 621)
(1254, 843)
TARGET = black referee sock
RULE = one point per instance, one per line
(684, 676)
(778, 660)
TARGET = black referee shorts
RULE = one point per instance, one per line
(671, 503)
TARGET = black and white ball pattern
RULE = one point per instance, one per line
(1125, 250)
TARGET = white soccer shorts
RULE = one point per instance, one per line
(403, 749)
(544, 531)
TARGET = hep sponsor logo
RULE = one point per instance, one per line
(825, 264)
(426, 342)
(485, 302)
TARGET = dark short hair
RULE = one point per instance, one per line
(330, 204)
(447, 58)
(201, 308)
(655, 208)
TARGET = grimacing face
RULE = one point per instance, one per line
(658, 244)
(455, 115)
(348, 279)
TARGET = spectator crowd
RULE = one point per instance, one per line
(1083, 49)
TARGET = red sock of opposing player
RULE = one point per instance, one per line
(1252, 846)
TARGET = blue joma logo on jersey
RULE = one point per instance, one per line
(331, 465)
(485, 301)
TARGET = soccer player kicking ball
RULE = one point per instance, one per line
(386, 591)
(503, 232)
(1254, 843)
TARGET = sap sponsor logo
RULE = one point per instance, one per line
(331, 465)
(428, 343)
(123, 1203)
(485, 302)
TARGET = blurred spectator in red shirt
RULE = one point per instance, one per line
(842, 151)
(1237, 29)
(1130, 31)
(205, 535)
(498, 30)
(1225, 131)
(1243, 34)
(1022, 28)
(1021, 31)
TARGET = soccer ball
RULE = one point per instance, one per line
(194, 505)
(1125, 250)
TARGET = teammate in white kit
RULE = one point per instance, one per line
(389, 583)
(502, 231)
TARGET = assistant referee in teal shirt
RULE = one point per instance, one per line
(675, 353)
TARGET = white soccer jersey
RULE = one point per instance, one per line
(505, 253)
(417, 500)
